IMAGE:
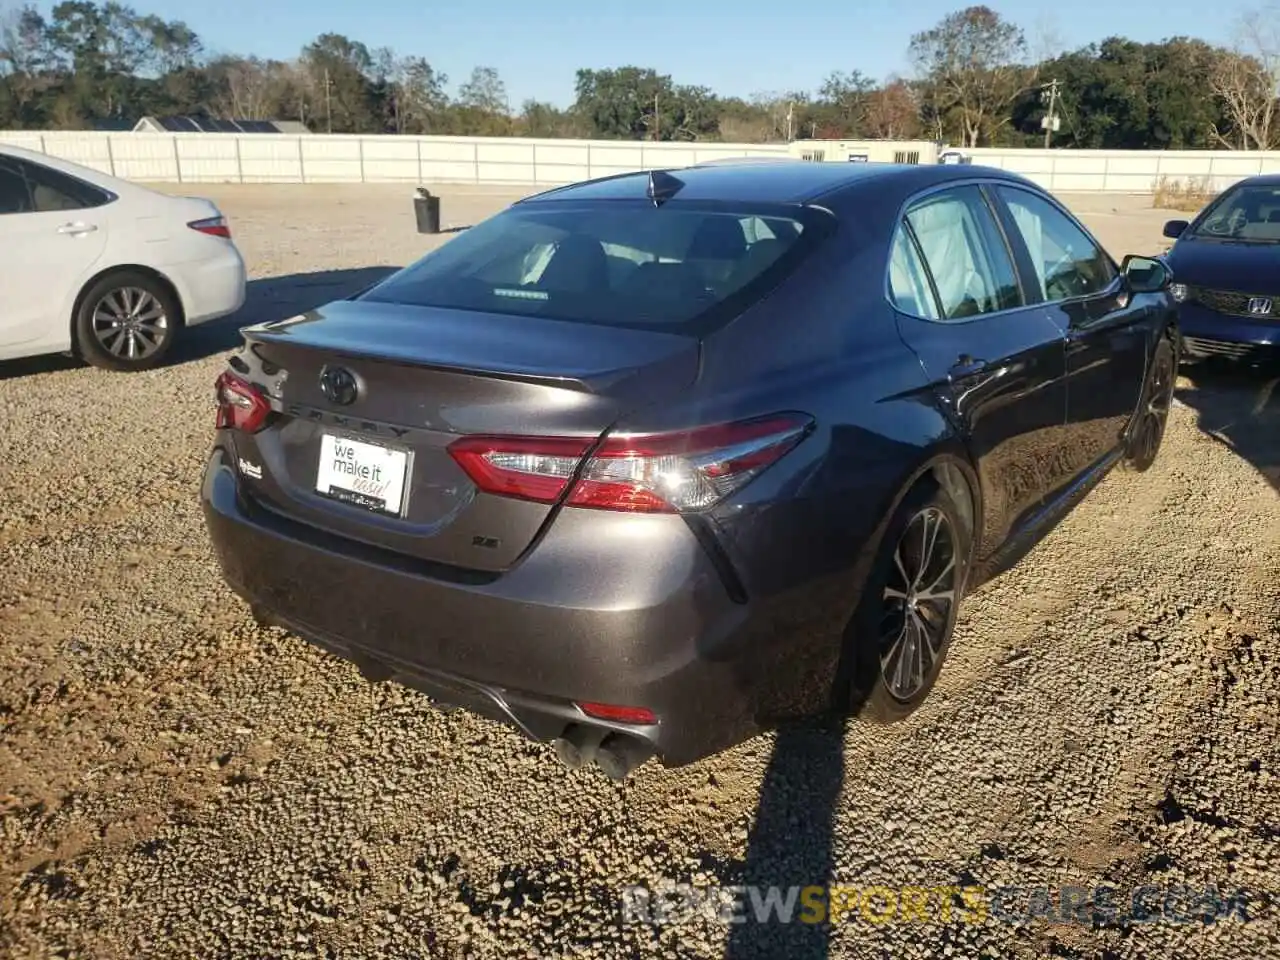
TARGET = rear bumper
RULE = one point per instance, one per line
(603, 610)
(1206, 333)
(212, 287)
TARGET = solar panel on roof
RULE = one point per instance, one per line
(201, 124)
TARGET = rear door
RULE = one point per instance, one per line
(1107, 331)
(52, 232)
(997, 363)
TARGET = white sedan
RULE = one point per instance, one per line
(104, 268)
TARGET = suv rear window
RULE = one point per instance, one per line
(678, 266)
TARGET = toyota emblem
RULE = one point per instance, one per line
(1260, 306)
(339, 385)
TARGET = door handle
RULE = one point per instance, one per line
(76, 229)
(966, 365)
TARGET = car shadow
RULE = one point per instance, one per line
(791, 845)
(267, 298)
(273, 298)
(1239, 406)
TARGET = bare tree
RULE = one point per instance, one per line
(1247, 81)
(23, 54)
(485, 92)
(1048, 42)
(974, 66)
(247, 90)
(893, 112)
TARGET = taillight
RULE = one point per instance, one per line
(642, 473)
(213, 226)
(525, 468)
(241, 405)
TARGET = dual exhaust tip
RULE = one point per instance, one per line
(615, 754)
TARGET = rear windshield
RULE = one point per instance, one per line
(1246, 213)
(617, 263)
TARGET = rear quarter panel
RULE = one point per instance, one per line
(802, 534)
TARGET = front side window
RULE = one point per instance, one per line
(1247, 213)
(965, 252)
(52, 190)
(1066, 260)
(616, 263)
(15, 197)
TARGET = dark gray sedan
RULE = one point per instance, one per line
(649, 464)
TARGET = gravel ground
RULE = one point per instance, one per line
(176, 782)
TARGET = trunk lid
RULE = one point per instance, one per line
(422, 378)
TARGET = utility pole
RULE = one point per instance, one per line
(657, 120)
(328, 103)
(1050, 121)
(791, 110)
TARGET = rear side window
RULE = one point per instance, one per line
(14, 195)
(965, 252)
(52, 190)
(679, 266)
(908, 279)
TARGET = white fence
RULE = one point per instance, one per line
(280, 158)
(1129, 171)
(271, 158)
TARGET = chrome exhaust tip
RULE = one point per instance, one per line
(578, 745)
(619, 755)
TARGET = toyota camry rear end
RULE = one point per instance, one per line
(490, 476)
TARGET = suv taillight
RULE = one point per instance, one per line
(241, 405)
(641, 473)
(213, 226)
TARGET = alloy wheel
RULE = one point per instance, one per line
(130, 323)
(918, 599)
(1155, 411)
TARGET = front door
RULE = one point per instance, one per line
(997, 364)
(1107, 330)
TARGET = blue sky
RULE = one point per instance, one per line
(732, 46)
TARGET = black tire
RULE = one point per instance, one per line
(126, 321)
(1147, 430)
(884, 623)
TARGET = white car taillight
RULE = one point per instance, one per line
(213, 226)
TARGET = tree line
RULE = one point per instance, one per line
(975, 82)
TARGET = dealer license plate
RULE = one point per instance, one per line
(368, 475)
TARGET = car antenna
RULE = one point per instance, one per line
(662, 186)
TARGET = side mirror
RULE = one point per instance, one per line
(1145, 274)
(1175, 228)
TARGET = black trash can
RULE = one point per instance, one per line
(426, 209)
